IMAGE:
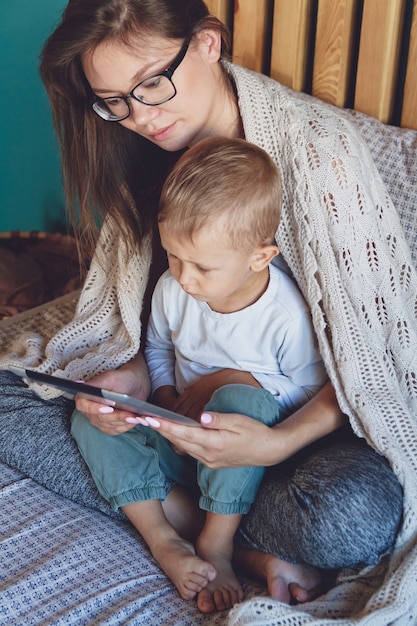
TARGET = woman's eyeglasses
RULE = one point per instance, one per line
(152, 91)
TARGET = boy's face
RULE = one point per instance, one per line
(210, 270)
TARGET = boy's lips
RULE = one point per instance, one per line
(193, 295)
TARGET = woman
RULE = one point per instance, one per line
(132, 84)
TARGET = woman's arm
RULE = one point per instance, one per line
(315, 419)
(232, 440)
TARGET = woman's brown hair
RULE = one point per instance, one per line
(108, 169)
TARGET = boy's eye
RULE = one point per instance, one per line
(203, 270)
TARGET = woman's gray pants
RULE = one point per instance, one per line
(335, 504)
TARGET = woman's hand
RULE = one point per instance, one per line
(226, 440)
(132, 379)
(232, 440)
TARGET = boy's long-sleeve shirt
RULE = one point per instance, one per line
(273, 339)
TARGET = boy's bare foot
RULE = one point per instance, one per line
(175, 555)
(285, 581)
(225, 590)
(188, 572)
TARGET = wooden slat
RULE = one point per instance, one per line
(291, 42)
(251, 40)
(379, 54)
(335, 51)
(409, 109)
(288, 58)
(221, 9)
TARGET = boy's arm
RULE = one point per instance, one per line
(192, 401)
(165, 397)
(301, 371)
(159, 349)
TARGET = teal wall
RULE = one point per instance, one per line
(31, 196)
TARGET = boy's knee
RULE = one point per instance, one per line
(80, 426)
(247, 400)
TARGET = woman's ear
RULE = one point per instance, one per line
(211, 40)
(262, 257)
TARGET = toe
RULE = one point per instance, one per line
(278, 589)
(205, 601)
(300, 594)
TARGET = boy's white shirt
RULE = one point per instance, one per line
(273, 339)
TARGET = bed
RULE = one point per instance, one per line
(65, 558)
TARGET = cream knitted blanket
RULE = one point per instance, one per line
(343, 240)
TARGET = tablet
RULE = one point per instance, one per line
(118, 400)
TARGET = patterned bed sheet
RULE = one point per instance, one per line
(62, 563)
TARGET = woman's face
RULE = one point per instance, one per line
(201, 107)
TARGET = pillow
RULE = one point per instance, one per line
(35, 268)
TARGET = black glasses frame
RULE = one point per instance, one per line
(168, 73)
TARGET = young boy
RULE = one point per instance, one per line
(222, 313)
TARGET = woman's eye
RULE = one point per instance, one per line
(152, 83)
(113, 103)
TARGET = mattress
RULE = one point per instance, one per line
(63, 563)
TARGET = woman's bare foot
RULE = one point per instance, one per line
(188, 572)
(225, 591)
(286, 581)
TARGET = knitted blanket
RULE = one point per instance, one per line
(343, 240)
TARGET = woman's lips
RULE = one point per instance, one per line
(162, 134)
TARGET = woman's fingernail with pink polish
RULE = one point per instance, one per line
(206, 418)
(136, 420)
(106, 409)
(153, 422)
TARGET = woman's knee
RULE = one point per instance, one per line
(341, 507)
(358, 503)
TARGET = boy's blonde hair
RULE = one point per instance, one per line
(229, 182)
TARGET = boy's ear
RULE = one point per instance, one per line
(262, 257)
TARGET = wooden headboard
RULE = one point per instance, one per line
(360, 54)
